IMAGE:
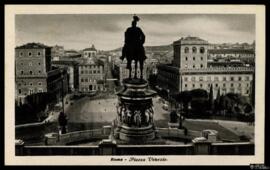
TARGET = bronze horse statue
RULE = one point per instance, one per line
(133, 48)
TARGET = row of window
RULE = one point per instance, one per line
(194, 58)
(30, 83)
(223, 89)
(194, 66)
(217, 85)
(91, 87)
(218, 78)
(31, 64)
(232, 55)
(88, 80)
(30, 72)
(30, 54)
(90, 72)
(89, 67)
(31, 91)
(194, 50)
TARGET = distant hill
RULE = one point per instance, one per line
(151, 48)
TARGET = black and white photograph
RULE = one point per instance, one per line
(140, 85)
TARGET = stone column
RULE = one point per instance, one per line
(201, 146)
(107, 147)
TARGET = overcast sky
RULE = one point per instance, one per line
(106, 32)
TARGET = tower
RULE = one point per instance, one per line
(190, 53)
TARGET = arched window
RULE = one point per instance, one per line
(30, 72)
(202, 50)
(194, 50)
(186, 50)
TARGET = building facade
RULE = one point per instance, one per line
(90, 52)
(72, 71)
(121, 72)
(57, 52)
(34, 73)
(91, 76)
(190, 70)
(243, 55)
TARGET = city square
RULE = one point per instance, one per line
(196, 93)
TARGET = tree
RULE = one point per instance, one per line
(173, 117)
(198, 93)
(184, 98)
(199, 106)
(248, 108)
(211, 99)
(216, 102)
(238, 102)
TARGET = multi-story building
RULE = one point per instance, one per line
(244, 55)
(190, 53)
(57, 52)
(34, 73)
(91, 76)
(121, 72)
(72, 70)
(190, 70)
(69, 53)
(90, 52)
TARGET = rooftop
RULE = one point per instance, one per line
(65, 62)
(90, 49)
(191, 40)
(86, 62)
(32, 45)
(70, 51)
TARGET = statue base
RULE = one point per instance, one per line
(136, 135)
(135, 112)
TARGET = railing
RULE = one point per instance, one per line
(173, 132)
(243, 148)
(186, 148)
(246, 148)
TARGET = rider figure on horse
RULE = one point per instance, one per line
(133, 48)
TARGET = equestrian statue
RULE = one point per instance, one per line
(133, 48)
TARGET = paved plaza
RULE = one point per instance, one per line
(87, 110)
(103, 112)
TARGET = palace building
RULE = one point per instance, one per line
(119, 67)
(34, 72)
(91, 75)
(190, 70)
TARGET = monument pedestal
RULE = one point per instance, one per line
(135, 113)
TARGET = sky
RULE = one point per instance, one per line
(106, 31)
